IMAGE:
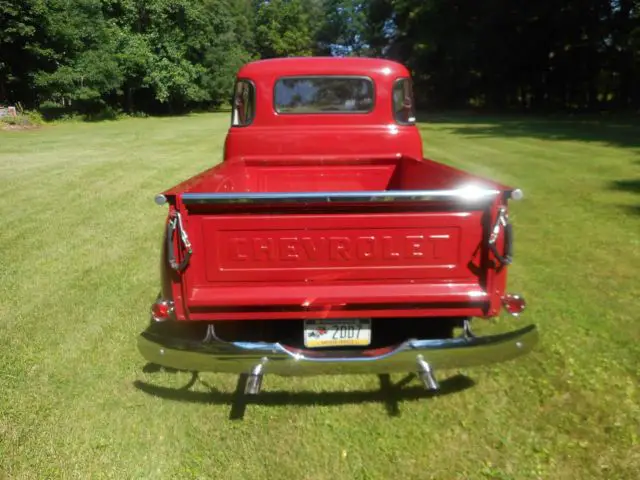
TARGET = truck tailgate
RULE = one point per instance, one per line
(334, 248)
(375, 237)
(333, 262)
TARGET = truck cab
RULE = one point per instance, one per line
(325, 242)
(327, 106)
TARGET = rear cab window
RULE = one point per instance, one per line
(403, 103)
(324, 94)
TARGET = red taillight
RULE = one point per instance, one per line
(514, 304)
(162, 310)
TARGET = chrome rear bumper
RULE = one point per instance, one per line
(274, 358)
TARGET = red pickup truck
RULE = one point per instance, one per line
(325, 243)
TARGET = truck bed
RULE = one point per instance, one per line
(327, 174)
(301, 238)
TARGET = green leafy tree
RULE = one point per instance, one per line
(283, 29)
(512, 53)
(176, 55)
(78, 52)
(179, 53)
(21, 50)
(343, 31)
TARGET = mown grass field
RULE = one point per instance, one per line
(80, 239)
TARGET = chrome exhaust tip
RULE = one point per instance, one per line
(254, 380)
(425, 372)
(254, 384)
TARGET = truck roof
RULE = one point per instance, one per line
(277, 67)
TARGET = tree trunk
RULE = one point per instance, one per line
(130, 105)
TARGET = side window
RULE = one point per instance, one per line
(403, 105)
(244, 103)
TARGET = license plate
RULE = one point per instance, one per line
(337, 333)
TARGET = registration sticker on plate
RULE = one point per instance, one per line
(337, 333)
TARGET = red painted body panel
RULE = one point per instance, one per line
(361, 259)
(330, 140)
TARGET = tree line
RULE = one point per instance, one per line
(170, 56)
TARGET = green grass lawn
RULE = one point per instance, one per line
(81, 236)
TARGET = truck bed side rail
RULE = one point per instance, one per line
(467, 195)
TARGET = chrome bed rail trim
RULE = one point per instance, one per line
(465, 195)
(216, 355)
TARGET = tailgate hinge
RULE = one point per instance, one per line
(502, 222)
(175, 223)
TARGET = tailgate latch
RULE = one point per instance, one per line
(502, 222)
(175, 223)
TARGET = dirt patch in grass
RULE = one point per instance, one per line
(13, 127)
